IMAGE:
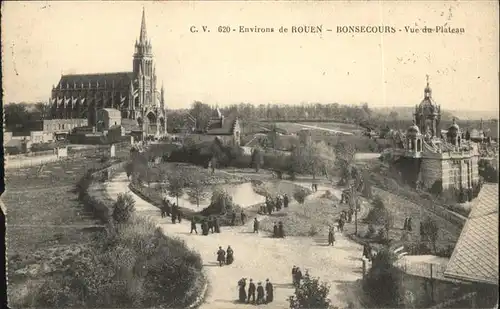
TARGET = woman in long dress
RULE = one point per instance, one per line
(242, 294)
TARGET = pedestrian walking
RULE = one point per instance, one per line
(269, 291)
(255, 225)
(242, 293)
(193, 226)
(285, 201)
(331, 237)
(275, 230)
(294, 271)
(221, 256)
(233, 219)
(260, 293)
(243, 217)
(410, 228)
(251, 292)
(281, 231)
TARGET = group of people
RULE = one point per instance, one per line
(171, 210)
(243, 218)
(275, 204)
(225, 257)
(207, 225)
(408, 225)
(278, 230)
(265, 294)
(314, 187)
(296, 275)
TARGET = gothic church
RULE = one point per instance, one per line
(134, 94)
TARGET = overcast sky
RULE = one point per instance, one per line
(42, 40)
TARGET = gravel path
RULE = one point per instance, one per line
(259, 257)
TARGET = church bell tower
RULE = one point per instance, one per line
(144, 71)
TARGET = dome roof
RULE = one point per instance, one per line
(454, 126)
(413, 129)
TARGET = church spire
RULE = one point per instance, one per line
(144, 34)
(427, 90)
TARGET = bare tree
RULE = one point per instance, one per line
(197, 187)
(175, 186)
(313, 158)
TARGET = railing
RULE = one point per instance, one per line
(423, 269)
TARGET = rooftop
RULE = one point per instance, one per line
(475, 257)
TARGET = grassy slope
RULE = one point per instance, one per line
(44, 219)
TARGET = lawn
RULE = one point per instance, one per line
(312, 218)
(401, 208)
(45, 222)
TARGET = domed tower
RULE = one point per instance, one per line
(428, 114)
(454, 135)
(414, 139)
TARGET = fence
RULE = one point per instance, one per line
(422, 269)
(466, 301)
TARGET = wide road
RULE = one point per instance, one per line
(259, 256)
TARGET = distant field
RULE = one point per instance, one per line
(292, 127)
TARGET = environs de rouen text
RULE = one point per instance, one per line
(319, 29)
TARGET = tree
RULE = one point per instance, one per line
(197, 189)
(257, 159)
(313, 158)
(202, 113)
(383, 282)
(175, 185)
(123, 208)
(344, 157)
(311, 293)
(430, 231)
(221, 201)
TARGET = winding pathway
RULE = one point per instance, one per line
(258, 256)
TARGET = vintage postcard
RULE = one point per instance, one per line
(230, 154)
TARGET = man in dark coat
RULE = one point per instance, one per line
(204, 227)
(251, 291)
(294, 271)
(221, 256)
(179, 215)
(193, 226)
(298, 276)
(331, 237)
(410, 228)
(210, 224)
(216, 225)
(168, 209)
(233, 219)
(174, 215)
(341, 225)
(269, 291)
(243, 217)
(367, 252)
(255, 225)
(260, 293)
(281, 231)
(285, 201)
(275, 230)
(278, 202)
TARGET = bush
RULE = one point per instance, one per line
(130, 266)
(123, 208)
(370, 231)
(313, 231)
(300, 195)
(311, 293)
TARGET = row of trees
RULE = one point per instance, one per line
(22, 117)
